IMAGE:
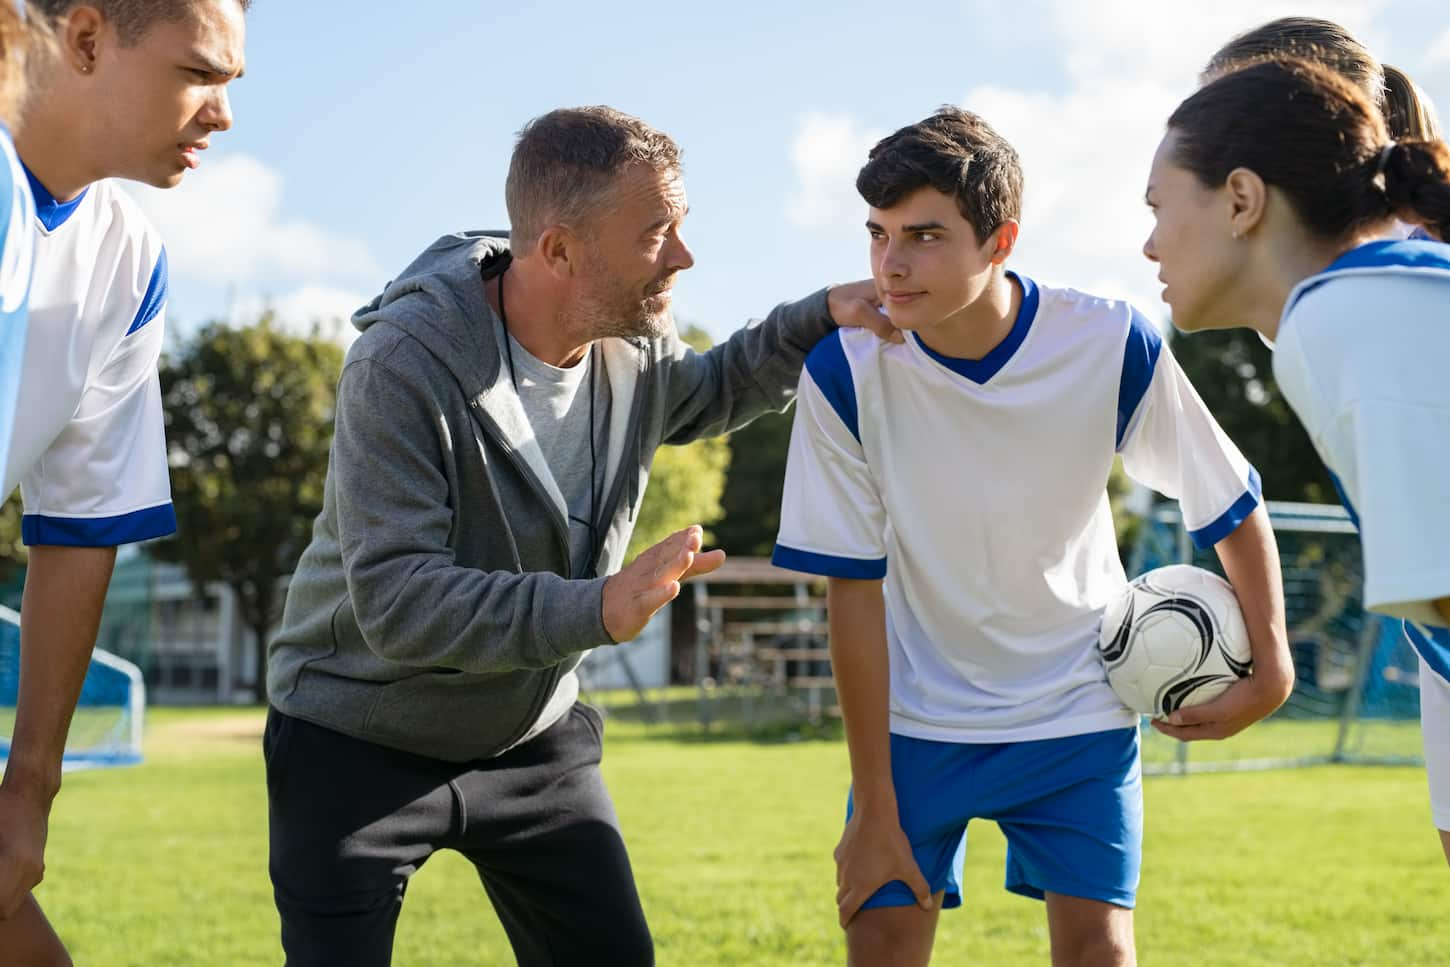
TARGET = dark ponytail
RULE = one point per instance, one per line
(1316, 138)
(1417, 183)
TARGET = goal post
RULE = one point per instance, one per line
(109, 717)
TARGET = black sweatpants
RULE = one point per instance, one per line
(351, 821)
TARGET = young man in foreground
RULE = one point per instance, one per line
(964, 474)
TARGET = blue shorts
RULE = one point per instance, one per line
(1071, 809)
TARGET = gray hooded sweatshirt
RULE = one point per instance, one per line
(435, 610)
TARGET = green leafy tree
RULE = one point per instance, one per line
(1233, 372)
(753, 486)
(249, 421)
(685, 483)
(12, 551)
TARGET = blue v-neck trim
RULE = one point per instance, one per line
(981, 370)
(52, 214)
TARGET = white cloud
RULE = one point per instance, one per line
(826, 153)
(326, 308)
(225, 224)
(1440, 50)
(1085, 151)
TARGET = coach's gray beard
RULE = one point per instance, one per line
(600, 321)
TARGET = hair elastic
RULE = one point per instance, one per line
(1379, 168)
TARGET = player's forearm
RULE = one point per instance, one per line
(59, 615)
(861, 667)
(1250, 558)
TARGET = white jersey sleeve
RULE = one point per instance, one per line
(1376, 404)
(831, 521)
(1170, 442)
(103, 480)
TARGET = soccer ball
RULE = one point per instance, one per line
(1175, 637)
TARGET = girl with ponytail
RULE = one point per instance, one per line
(1275, 192)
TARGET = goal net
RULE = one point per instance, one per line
(106, 730)
(1356, 694)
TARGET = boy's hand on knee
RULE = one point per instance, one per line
(872, 853)
(22, 849)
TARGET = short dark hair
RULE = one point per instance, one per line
(958, 154)
(1315, 136)
(566, 162)
(131, 17)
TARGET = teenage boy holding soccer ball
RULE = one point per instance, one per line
(953, 490)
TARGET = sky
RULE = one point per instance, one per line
(360, 137)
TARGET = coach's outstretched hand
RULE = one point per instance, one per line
(23, 824)
(855, 305)
(873, 852)
(653, 579)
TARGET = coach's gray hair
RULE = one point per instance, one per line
(566, 163)
(131, 17)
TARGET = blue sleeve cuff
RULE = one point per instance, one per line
(1229, 521)
(828, 565)
(140, 525)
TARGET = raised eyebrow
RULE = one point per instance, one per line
(924, 227)
(873, 227)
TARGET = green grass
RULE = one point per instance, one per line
(165, 863)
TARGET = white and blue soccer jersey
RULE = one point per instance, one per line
(89, 448)
(978, 490)
(1362, 356)
(17, 253)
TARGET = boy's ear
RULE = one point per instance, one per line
(1001, 242)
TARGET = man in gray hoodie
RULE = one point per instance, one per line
(496, 423)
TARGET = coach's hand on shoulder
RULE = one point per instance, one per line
(855, 305)
(874, 851)
(1242, 704)
(653, 579)
(23, 824)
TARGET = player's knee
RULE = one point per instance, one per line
(1102, 950)
(887, 937)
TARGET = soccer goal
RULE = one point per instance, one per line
(106, 730)
(1356, 695)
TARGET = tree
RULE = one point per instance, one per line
(685, 482)
(1233, 372)
(754, 485)
(13, 555)
(249, 421)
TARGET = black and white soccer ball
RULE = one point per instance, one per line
(1175, 637)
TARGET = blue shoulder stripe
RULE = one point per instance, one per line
(831, 372)
(1409, 254)
(155, 298)
(1140, 359)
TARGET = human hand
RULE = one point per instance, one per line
(855, 305)
(23, 828)
(874, 851)
(652, 580)
(1245, 702)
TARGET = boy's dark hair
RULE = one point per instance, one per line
(958, 154)
(131, 17)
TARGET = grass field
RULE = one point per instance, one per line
(165, 863)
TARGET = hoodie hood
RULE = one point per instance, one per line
(439, 300)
